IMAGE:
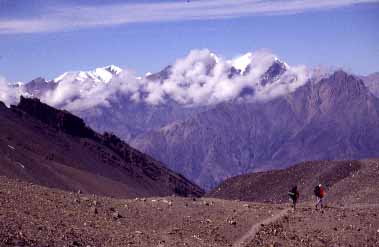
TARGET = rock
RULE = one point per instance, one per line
(174, 231)
(232, 222)
(75, 243)
(86, 199)
(94, 210)
(116, 215)
(19, 243)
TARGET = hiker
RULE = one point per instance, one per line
(294, 196)
(319, 193)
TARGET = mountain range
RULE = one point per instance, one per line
(274, 116)
(334, 118)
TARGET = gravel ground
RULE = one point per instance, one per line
(356, 226)
(37, 216)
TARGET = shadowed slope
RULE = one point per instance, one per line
(55, 148)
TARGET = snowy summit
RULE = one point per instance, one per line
(103, 74)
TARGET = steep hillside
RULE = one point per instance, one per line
(334, 118)
(56, 149)
(347, 183)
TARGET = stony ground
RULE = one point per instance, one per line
(31, 215)
(356, 226)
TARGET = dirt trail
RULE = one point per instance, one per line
(247, 237)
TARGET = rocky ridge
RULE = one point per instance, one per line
(56, 149)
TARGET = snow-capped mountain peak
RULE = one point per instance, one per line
(242, 62)
(113, 69)
(103, 74)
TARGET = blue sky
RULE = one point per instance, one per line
(46, 38)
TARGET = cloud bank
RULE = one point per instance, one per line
(76, 95)
(67, 17)
(8, 94)
(200, 78)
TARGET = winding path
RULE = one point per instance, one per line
(242, 241)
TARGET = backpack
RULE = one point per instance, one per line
(322, 192)
(317, 191)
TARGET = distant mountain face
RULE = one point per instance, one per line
(54, 148)
(372, 82)
(335, 118)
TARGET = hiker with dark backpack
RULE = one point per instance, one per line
(294, 196)
(319, 193)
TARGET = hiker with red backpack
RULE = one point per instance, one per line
(319, 193)
(294, 196)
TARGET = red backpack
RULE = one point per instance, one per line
(322, 192)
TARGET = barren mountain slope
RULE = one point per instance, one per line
(54, 148)
(346, 182)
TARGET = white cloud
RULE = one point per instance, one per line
(76, 95)
(60, 18)
(200, 78)
(8, 94)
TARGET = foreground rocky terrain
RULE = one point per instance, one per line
(31, 215)
(356, 226)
